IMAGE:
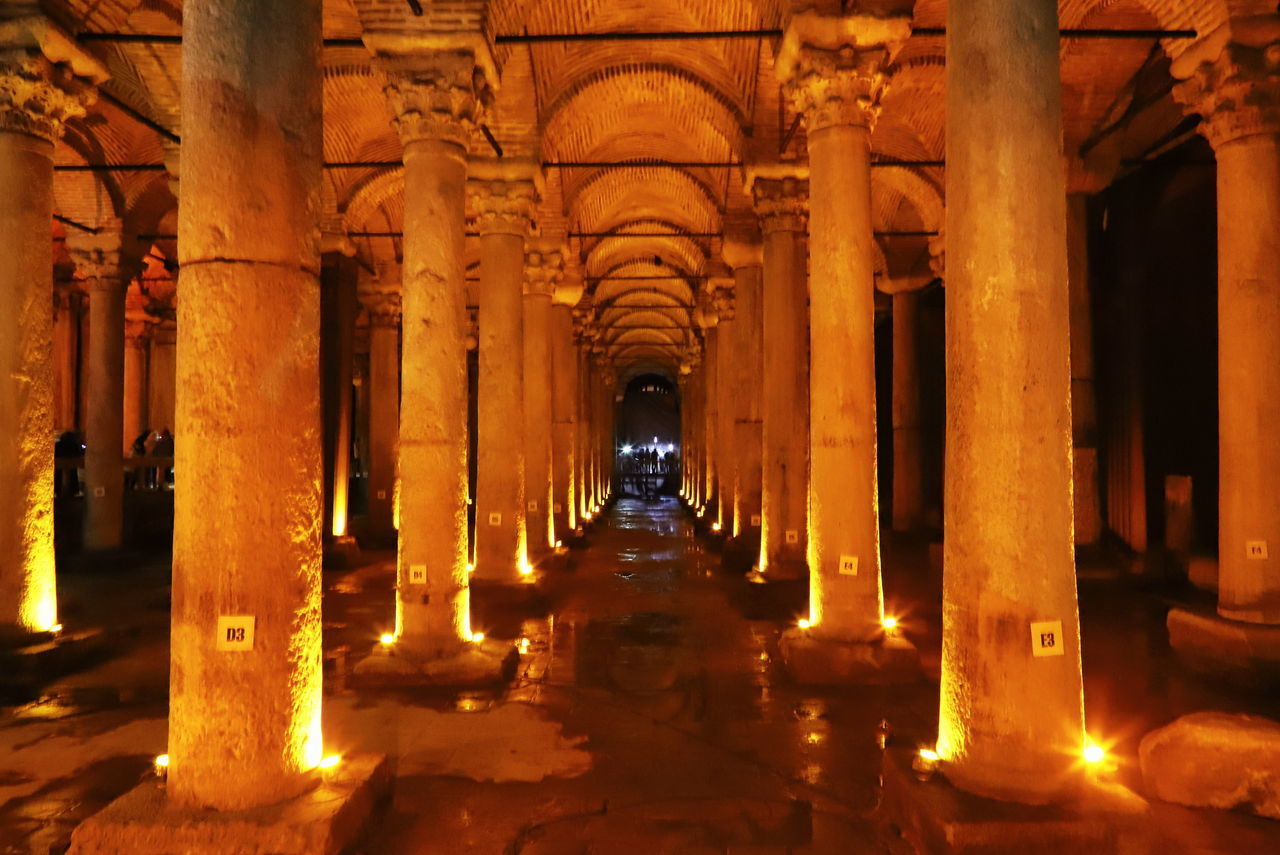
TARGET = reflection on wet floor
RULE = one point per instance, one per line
(649, 713)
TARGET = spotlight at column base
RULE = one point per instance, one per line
(816, 661)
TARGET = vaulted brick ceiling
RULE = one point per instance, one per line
(705, 101)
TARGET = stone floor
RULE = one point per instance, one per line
(649, 715)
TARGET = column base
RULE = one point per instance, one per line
(1207, 642)
(936, 817)
(323, 821)
(491, 662)
(816, 661)
(341, 553)
(741, 553)
(764, 598)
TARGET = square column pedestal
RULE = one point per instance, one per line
(1244, 652)
(322, 821)
(816, 661)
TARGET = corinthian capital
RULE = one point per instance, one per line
(781, 203)
(1237, 92)
(543, 270)
(45, 78)
(100, 257)
(436, 96)
(832, 67)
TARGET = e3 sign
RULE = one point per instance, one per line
(1046, 638)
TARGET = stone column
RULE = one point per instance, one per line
(746, 260)
(503, 198)
(244, 722)
(1236, 88)
(436, 99)
(98, 259)
(338, 308)
(1084, 407)
(564, 375)
(137, 340)
(1012, 721)
(782, 206)
(543, 269)
(608, 440)
(66, 323)
(908, 478)
(711, 414)
(726, 408)
(383, 308)
(833, 72)
(582, 435)
(163, 366)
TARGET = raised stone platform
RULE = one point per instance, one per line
(815, 661)
(1246, 652)
(486, 664)
(1213, 759)
(936, 818)
(36, 658)
(323, 821)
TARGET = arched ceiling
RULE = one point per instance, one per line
(613, 109)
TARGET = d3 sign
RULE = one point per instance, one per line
(235, 632)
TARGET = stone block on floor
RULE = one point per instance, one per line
(935, 817)
(323, 821)
(485, 664)
(812, 660)
(1214, 759)
(1245, 652)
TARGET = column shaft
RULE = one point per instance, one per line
(1084, 408)
(500, 496)
(749, 340)
(711, 423)
(845, 598)
(1011, 722)
(384, 420)
(162, 373)
(537, 422)
(66, 337)
(136, 417)
(337, 338)
(725, 425)
(564, 454)
(586, 495)
(908, 480)
(104, 422)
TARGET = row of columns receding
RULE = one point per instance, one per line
(248, 517)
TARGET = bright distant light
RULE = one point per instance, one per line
(526, 568)
(929, 755)
(477, 637)
(889, 623)
(626, 449)
(715, 526)
(162, 761)
(471, 568)
(804, 623)
(387, 639)
(1094, 753)
(524, 645)
(330, 761)
(56, 628)
(670, 448)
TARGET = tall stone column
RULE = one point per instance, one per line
(162, 375)
(908, 450)
(1236, 88)
(833, 72)
(745, 257)
(435, 99)
(98, 258)
(711, 413)
(582, 434)
(1084, 406)
(782, 205)
(66, 323)
(137, 340)
(503, 198)
(383, 308)
(1011, 724)
(608, 439)
(726, 407)
(339, 305)
(543, 269)
(248, 511)
(564, 373)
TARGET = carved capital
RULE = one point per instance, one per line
(473, 328)
(383, 307)
(501, 206)
(722, 299)
(543, 270)
(438, 96)
(137, 333)
(781, 203)
(45, 78)
(1237, 94)
(99, 258)
(938, 254)
(833, 67)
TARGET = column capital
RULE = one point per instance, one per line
(938, 253)
(46, 78)
(100, 257)
(832, 67)
(1234, 85)
(433, 94)
(725, 306)
(781, 203)
(543, 269)
(383, 307)
(137, 332)
(503, 196)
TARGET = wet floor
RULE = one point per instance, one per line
(649, 714)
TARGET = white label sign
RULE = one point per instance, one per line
(417, 574)
(235, 632)
(848, 565)
(495, 519)
(793, 536)
(382, 495)
(1046, 638)
(533, 507)
(558, 508)
(99, 492)
(1255, 550)
(755, 520)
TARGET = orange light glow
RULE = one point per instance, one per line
(804, 623)
(890, 624)
(387, 639)
(331, 761)
(477, 637)
(526, 568)
(715, 526)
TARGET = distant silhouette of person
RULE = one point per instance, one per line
(164, 448)
(68, 446)
(139, 477)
